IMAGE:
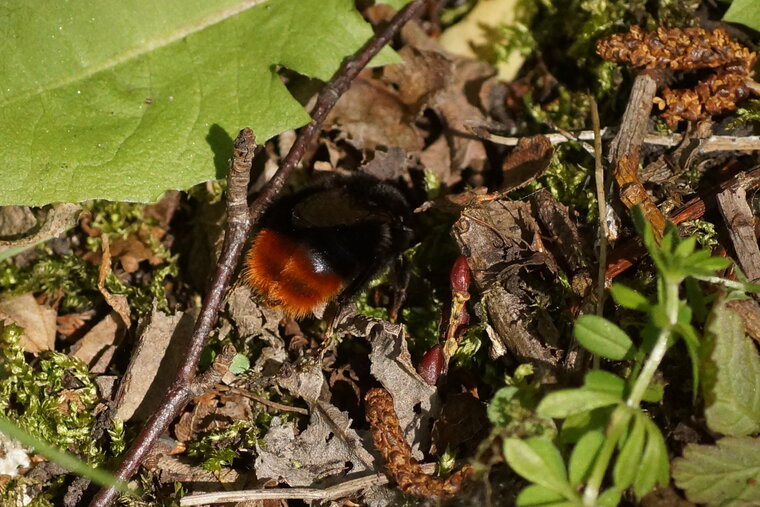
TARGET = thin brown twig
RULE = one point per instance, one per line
(601, 202)
(708, 145)
(269, 403)
(341, 490)
(239, 224)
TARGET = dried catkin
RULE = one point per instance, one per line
(687, 49)
(395, 451)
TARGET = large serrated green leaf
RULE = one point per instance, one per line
(723, 474)
(732, 374)
(125, 99)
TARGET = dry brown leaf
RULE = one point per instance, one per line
(416, 402)
(369, 115)
(132, 251)
(59, 218)
(97, 347)
(421, 76)
(118, 302)
(16, 220)
(327, 447)
(162, 339)
(528, 161)
(502, 239)
(37, 320)
(70, 323)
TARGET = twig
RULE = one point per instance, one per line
(240, 221)
(341, 490)
(708, 145)
(263, 401)
(625, 150)
(601, 202)
(740, 221)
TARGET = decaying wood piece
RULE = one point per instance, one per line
(740, 222)
(501, 240)
(625, 150)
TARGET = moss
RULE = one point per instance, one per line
(561, 35)
(53, 399)
(72, 280)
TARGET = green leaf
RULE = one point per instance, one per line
(604, 382)
(629, 298)
(648, 474)
(610, 498)
(629, 458)
(724, 474)
(577, 425)
(539, 496)
(653, 393)
(583, 457)
(602, 337)
(685, 247)
(539, 461)
(744, 12)
(707, 266)
(240, 364)
(125, 99)
(731, 376)
(565, 402)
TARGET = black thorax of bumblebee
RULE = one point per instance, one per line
(351, 224)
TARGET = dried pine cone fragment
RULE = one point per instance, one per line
(677, 49)
(389, 440)
(688, 49)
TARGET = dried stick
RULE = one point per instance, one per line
(269, 403)
(625, 150)
(240, 221)
(341, 490)
(708, 145)
(602, 207)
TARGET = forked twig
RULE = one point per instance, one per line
(240, 220)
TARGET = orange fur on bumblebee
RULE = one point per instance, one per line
(326, 242)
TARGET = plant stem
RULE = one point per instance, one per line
(622, 414)
(615, 430)
(660, 346)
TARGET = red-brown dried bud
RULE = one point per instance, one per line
(431, 365)
(460, 275)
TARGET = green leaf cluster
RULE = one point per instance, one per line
(608, 435)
